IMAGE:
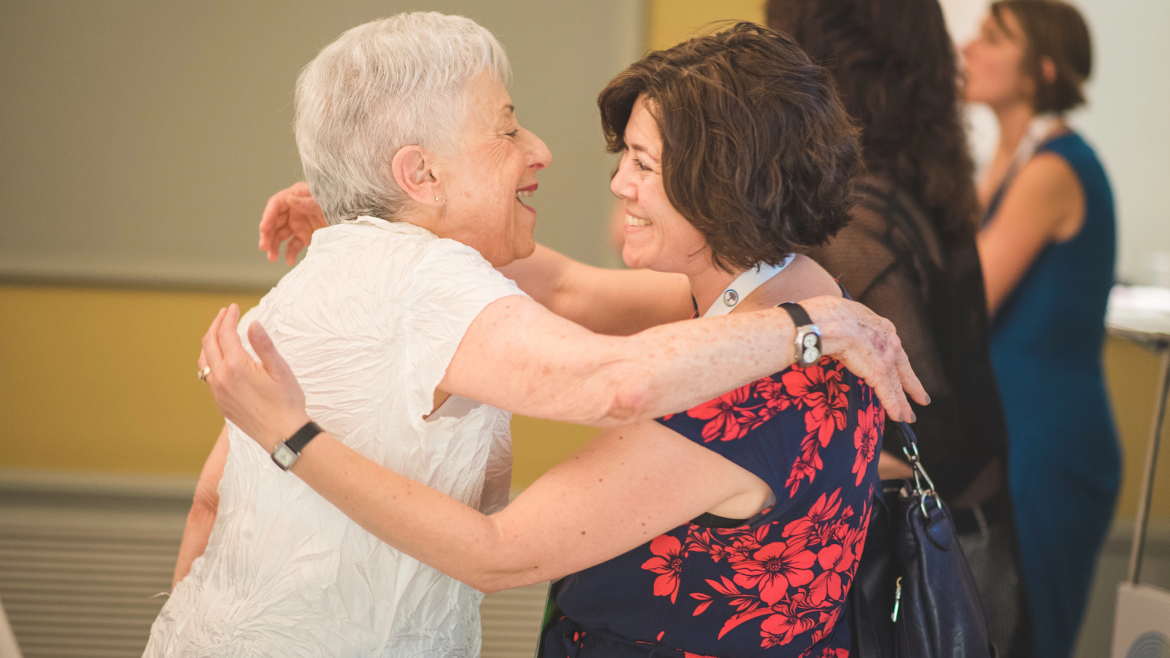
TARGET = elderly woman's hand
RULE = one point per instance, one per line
(263, 399)
(869, 346)
(291, 214)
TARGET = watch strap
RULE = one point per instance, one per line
(298, 441)
(799, 316)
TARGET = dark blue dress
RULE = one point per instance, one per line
(1064, 462)
(773, 585)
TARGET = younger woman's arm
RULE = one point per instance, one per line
(1045, 203)
(626, 487)
(613, 302)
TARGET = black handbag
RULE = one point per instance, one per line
(913, 595)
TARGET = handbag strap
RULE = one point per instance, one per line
(910, 449)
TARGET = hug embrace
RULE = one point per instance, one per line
(356, 503)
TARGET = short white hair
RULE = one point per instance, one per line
(380, 86)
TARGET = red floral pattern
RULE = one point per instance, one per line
(792, 579)
(774, 575)
(776, 584)
(667, 562)
(870, 422)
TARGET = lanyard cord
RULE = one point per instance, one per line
(744, 285)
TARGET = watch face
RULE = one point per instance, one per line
(284, 456)
(808, 346)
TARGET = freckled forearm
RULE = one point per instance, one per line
(430, 526)
(673, 367)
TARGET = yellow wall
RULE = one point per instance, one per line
(1132, 373)
(104, 380)
(672, 21)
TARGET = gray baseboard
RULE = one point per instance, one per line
(85, 561)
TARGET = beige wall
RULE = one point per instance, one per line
(139, 140)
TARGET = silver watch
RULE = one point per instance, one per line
(808, 345)
(286, 453)
(808, 335)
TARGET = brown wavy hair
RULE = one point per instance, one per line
(758, 153)
(895, 68)
(1056, 30)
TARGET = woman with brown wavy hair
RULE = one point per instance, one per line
(910, 254)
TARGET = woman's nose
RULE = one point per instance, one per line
(620, 183)
(539, 156)
(966, 50)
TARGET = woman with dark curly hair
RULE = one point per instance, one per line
(910, 254)
(1048, 247)
(730, 529)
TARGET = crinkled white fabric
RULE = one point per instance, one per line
(368, 322)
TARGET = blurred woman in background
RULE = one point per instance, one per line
(909, 253)
(1047, 247)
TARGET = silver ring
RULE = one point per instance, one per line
(204, 372)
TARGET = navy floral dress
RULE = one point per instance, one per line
(773, 585)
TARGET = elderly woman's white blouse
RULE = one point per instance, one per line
(369, 322)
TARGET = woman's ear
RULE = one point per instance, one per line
(1047, 70)
(413, 168)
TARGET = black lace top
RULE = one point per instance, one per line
(929, 283)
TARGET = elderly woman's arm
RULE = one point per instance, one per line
(204, 508)
(518, 356)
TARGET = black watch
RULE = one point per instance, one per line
(285, 453)
(808, 335)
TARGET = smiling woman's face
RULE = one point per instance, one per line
(496, 166)
(657, 236)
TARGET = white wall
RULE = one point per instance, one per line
(1125, 120)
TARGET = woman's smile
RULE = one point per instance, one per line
(633, 222)
(526, 193)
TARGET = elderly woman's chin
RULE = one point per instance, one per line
(524, 242)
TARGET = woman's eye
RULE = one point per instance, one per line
(640, 166)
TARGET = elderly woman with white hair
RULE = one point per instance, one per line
(412, 348)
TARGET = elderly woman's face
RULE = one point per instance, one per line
(495, 167)
(657, 236)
